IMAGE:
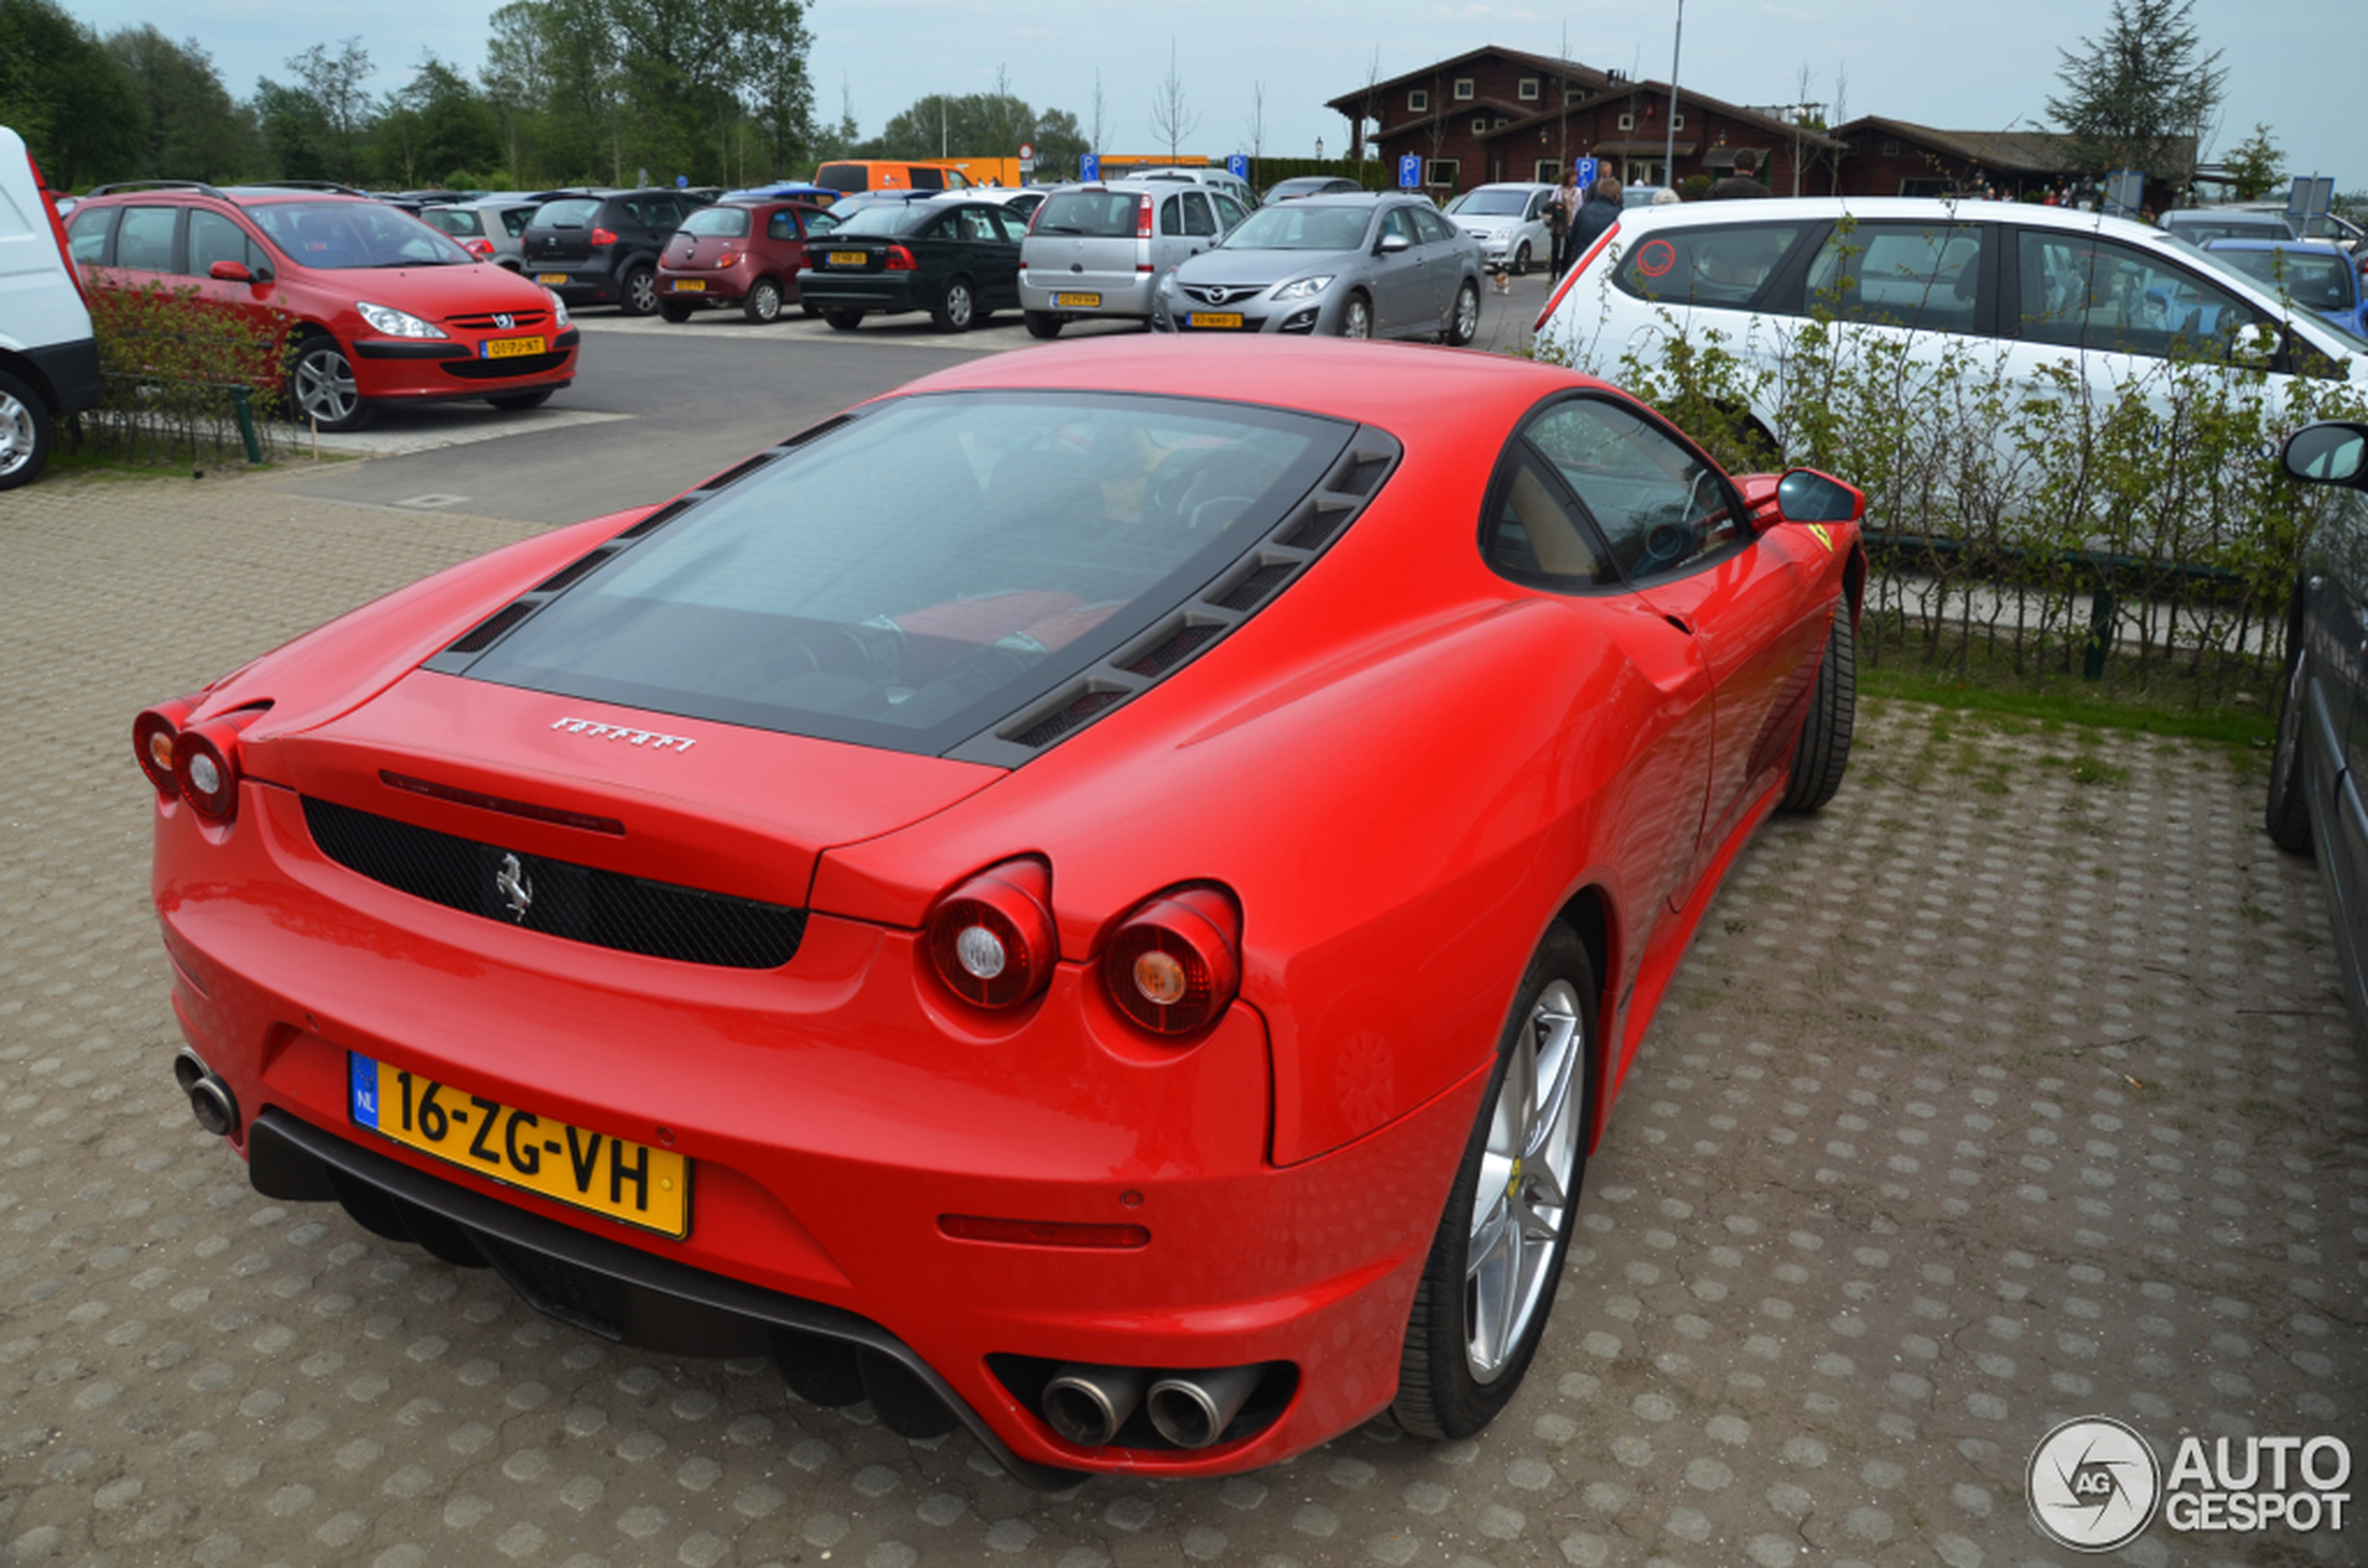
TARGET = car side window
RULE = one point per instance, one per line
(1171, 216)
(1725, 266)
(214, 237)
(819, 224)
(1013, 227)
(1400, 222)
(1659, 507)
(87, 235)
(979, 224)
(1435, 230)
(1898, 274)
(513, 220)
(1534, 534)
(144, 239)
(782, 224)
(1229, 212)
(927, 179)
(1198, 218)
(2083, 292)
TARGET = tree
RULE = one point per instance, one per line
(1173, 121)
(2143, 96)
(437, 127)
(2257, 165)
(193, 131)
(67, 97)
(1257, 120)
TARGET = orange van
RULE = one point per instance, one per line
(854, 175)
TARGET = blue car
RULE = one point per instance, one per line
(2316, 274)
(784, 190)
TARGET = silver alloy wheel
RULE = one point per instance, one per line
(1466, 316)
(325, 388)
(1520, 261)
(1357, 318)
(18, 441)
(960, 305)
(641, 290)
(1524, 1194)
(764, 300)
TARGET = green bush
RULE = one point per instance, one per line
(176, 364)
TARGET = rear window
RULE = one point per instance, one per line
(569, 212)
(721, 222)
(915, 576)
(1706, 265)
(454, 222)
(1104, 214)
(843, 176)
(888, 217)
(2314, 280)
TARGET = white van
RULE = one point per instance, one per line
(49, 362)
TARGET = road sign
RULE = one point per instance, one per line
(1089, 167)
(1409, 172)
(1587, 170)
(1238, 166)
(1027, 152)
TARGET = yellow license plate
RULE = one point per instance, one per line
(629, 1182)
(690, 285)
(1079, 301)
(850, 258)
(553, 278)
(512, 347)
(1215, 318)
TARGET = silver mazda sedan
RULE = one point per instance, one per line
(1340, 266)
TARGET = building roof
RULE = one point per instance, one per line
(2028, 152)
(1570, 70)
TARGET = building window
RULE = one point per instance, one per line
(1628, 122)
(1463, 89)
(1891, 146)
(1480, 126)
(1572, 95)
(1441, 171)
(1417, 100)
(1677, 121)
(1549, 172)
(1528, 89)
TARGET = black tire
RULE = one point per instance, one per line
(763, 305)
(1520, 261)
(1442, 1390)
(808, 309)
(1464, 324)
(1356, 317)
(321, 388)
(638, 294)
(514, 402)
(958, 310)
(1042, 324)
(1822, 754)
(2288, 817)
(843, 320)
(676, 310)
(24, 433)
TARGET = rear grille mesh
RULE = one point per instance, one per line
(574, 902)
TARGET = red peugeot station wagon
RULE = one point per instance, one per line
(372, 305)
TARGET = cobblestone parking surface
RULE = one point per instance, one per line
(2014, 1087)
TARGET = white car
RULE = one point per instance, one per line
(2026, 289)
(49, 360)
(1509, 222)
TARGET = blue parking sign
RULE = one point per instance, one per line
(1409, 172)
(1586, 169)
(1089, 168)
(1238, 166)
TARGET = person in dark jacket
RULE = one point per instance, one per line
(1602, 211)
(1743, 184)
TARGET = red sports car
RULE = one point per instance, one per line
(1104, 896)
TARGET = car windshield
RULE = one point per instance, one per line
(886, 218)
(345, 234)
(2314, 280)
(723, 223)
(1493, 204)
(1300, 227)
(928, 568)
(1102, 215)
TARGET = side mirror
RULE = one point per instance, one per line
(1391, 245)
(231, 273)
(1803, 495)
(2329, 452)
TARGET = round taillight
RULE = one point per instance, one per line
(991, 939)
(205, 766)
(152, 734)
(1175, 964)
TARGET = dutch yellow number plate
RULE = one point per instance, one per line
(1079, 301)
(690, 285)
(850, 258)
(1215, 318)
(513, 348)
(552, 278)
(629, 1182)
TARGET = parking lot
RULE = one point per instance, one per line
(2013, 1087)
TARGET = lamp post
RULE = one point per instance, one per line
(1320, 149)
(1669, 149)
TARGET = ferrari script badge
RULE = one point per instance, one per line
(513, 884)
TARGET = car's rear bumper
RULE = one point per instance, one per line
(726, 285)
(834, 1111)
(1122, 296)
(863, 291)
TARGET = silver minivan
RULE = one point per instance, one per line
(1097, 252)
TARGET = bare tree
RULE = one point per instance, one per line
(1372, 105)
(1258, 119)
(1173, 118)
(1095, 146)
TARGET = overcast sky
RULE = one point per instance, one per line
(2293, 65)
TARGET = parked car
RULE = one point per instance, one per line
(1310, 184)
(957, 259)
(366, 305)
(747, 254)
(2041, 286)
(784, 190)
(1021, 201)
(2197, 225)
(2319, 774)
(1358, 266)
(857, 173)
(491, 227)
(1097, 252)
(1509, 222)
(1640, 195)
(48, 359)
(601, 247)
(1216, 176)
(911, 905)
(2315, 274)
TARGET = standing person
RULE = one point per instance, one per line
(1561, 211)
(1743, 184)
(1602, 211)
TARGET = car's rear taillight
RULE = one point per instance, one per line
(1143, 217)
(480, 248)
(991, 939)
(195, 763)
(153, 735)
(603, 236)
(900, 259)
(1175, 964)
(725, 258)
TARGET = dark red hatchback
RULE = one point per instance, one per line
(739, 252)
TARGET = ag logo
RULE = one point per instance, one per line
(2093, 1484)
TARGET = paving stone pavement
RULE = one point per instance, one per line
(2014, 1087)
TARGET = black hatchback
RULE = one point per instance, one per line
(601, 247)
(959, 260)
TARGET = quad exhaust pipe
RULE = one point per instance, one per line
(1192, 1410)
(1089, 1405)
(210, 1099)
